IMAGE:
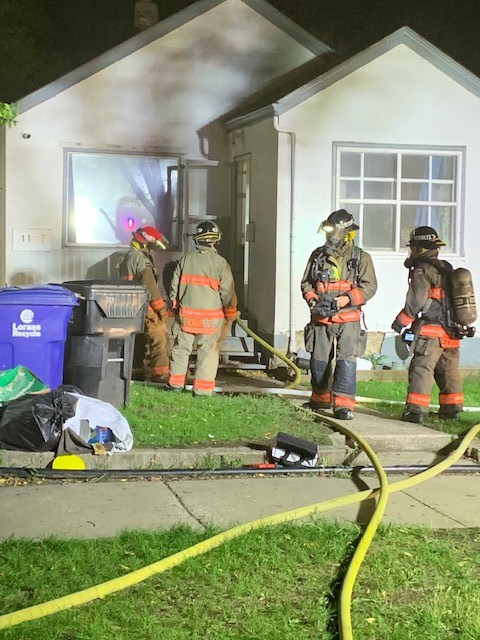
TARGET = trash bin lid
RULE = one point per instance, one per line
(48, 295)
(91, 289)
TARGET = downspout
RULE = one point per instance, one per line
(293, 289)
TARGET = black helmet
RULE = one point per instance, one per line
(425, 237)
(207, 233)
(340, 219)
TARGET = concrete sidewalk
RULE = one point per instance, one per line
(91, 510)
(96, 508)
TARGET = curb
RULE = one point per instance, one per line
(338, 454)
(198, 458)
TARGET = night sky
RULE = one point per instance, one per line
(41, 40)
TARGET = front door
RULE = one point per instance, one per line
(241, 212)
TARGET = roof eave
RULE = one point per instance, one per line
(405, 35)
(251, 118)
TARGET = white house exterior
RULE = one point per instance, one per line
(78, 163)
(390, 135)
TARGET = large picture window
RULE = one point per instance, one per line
(392, 191)
(109, 195)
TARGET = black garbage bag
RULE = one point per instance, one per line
(34, 422)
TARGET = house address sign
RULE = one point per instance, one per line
(32, 240)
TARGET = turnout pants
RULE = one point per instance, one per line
(208, 348)
(337, 386)
(150, 356)
(432, 362)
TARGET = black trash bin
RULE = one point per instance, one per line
(101, 337)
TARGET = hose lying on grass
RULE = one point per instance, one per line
(117, 584)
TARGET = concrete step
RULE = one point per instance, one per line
(387, 434)
(384, 434)
(238, 346)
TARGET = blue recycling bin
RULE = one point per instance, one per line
(33, 329)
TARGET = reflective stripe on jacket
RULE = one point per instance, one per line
(203, 291)
(358, 292)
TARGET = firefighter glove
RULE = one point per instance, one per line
(326, 307)
(396, 326)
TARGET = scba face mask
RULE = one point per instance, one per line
(336, 236)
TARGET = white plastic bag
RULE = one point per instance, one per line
(100, 413)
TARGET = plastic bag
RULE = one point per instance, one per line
(34, 422)
(97, 413)
(17, 382)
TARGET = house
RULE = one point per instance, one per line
(391, 136)
(229, 110)
(115, 144)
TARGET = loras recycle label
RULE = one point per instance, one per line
(26, 329)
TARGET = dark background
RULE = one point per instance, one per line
(41, 40)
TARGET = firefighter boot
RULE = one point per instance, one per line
(342, 413)
(413, 416)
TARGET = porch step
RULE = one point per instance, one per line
(238, 346)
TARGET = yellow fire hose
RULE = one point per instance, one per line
(298, 372)
(117, 584)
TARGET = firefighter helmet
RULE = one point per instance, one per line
(207, 233)
(425, 237)
(151, 236)
(339, 220)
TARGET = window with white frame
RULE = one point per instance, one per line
(390, 191)
(109, 195)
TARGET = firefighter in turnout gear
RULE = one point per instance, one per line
(436, 345)
(203, 297)
(150, 358)
(339, 278)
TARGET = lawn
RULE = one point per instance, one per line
(273, 584)
(386, 390)
(162, 419)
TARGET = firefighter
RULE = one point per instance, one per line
(203, 297)
(436, 352)
(150, 357)
(339, 278)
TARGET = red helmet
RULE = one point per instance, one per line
(151, 236)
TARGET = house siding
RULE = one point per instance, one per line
(397, 99)
(155, 100)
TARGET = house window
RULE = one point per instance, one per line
(392, 191)
(109, 195)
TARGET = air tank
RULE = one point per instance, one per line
(463, 297)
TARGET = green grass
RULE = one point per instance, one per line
(386, 390)
(161, 419)
(273, 584)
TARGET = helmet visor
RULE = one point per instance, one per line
(161, 243)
